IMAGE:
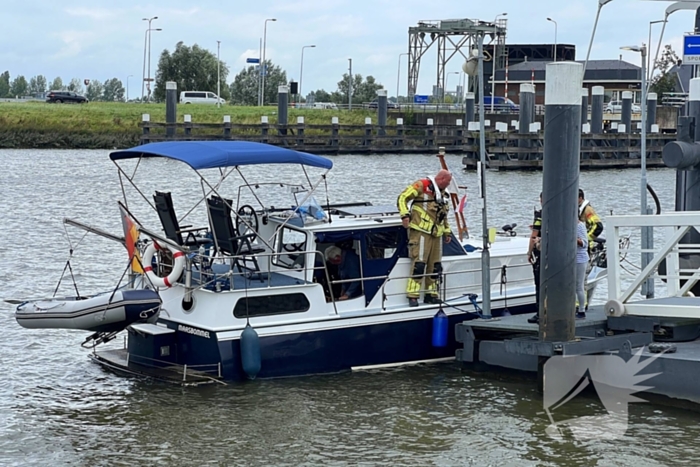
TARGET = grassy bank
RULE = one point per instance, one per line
(106, 125)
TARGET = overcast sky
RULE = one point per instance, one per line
(102, 40)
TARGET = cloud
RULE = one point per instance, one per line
(92, 13)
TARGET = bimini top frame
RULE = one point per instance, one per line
(220, 154)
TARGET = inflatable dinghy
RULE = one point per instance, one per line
(101, 313)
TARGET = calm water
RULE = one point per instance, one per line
(56, 408)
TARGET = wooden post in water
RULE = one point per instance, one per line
(300, 131)
(227, 126)
(264, 128)
(145, 120)
(334, 132)
(367, 141)
(187, 119)
(399, 133)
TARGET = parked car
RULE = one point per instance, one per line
(615, 107)
(501, 105)
(59, 97)
(200, 97)
(389, 105)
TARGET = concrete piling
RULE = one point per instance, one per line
(170, 107)
(469, 107)
(382, 111)
(282, 107)
(626, 118)
(562, 141)
(527, 112)
(597, 101)
(651, 110)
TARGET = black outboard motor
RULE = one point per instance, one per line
(509, 229)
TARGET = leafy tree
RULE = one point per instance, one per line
(362, 90)
(244, 88)
(113, 90)
(75, 85)
(19, 87)
(94, 90)
(320, 95)
(5, 84)
(192, 68)
(665, 81)
(56, 84)
(37, 84)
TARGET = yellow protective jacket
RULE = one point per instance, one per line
(427, 214)
(594, 225)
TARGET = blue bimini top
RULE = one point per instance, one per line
(215, 154)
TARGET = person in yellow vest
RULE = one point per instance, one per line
(423, 207)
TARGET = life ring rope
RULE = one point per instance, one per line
(178, 265)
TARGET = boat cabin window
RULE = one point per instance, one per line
(382, 244)
(269, 305)
(290, 246)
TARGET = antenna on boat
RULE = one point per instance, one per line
(328, 201)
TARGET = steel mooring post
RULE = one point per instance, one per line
(597, 101)
(527, 115)
(170, 108)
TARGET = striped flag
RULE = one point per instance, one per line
(131, 235)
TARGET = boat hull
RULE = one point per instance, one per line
(286, 354)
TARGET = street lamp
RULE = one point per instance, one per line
(218, 74)
(350, 84)
(398, 77)
(646, 244)
(264, 65)
(678, 6)
(651, 23)
(494, 58)
(447, 80)
(555, 37)
(601, 4)
(301, 71)
(145, 46)
(127, 87)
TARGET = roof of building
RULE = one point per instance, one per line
(541, 65)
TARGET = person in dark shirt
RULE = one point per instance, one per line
(349, 267)
(533, 256)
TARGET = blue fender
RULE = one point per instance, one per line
(250, 352)
(440, 325)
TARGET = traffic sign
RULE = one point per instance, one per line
(252, 60)
(420, 99)
(691, 49)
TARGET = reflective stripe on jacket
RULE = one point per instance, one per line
(427, 215)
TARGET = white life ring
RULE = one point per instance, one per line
(178, 266)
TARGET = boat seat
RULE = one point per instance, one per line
(172, 228)
(227, 240)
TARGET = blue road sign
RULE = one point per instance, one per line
(252, 60)
(420, 99)
(691, 49)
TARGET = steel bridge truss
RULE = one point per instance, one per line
(450, 37)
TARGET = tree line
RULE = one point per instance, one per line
(111, 90)
(195, 69)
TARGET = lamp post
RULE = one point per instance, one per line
(678, 6)
(601, 4)
(301, 71)
(494, 59)
(555, 37)
(447, 80)
(127, 87)
(350, 85)
(218, 74)
(398, 77)
(648, 64)
(646, 234)
(145, 46)
(264, 65)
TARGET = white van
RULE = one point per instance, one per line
(199, 97)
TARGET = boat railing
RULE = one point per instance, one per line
(446, 291)
(206, 371)
(626, 275)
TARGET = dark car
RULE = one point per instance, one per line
(389, 105)
(65, 96)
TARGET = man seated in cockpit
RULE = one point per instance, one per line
(349, 270)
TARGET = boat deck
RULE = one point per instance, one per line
(117, 361)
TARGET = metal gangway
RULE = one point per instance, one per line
(677, 301)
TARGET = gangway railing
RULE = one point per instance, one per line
(678, 301)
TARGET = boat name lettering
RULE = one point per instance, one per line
(194, 331)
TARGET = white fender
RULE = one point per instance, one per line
(178, 266)
(615, 308)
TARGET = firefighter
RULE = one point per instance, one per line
(533, 256)
(587, 215)
(423, 207)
